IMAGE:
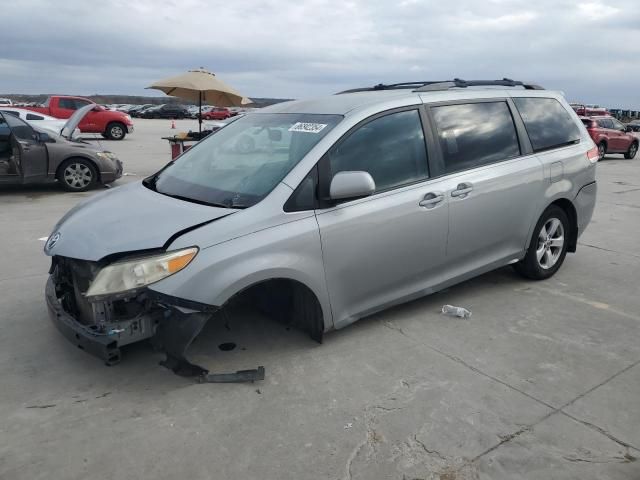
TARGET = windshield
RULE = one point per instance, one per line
(241, 163)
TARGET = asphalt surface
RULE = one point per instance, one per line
(542, 381)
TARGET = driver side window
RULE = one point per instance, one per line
(390, 148)
(20, 128)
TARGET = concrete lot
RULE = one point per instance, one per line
(542, 382)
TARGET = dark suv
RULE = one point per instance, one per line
(166, 111)
(611, 136)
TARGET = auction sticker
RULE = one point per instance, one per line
(307, 127)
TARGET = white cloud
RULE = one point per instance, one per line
(287, 49)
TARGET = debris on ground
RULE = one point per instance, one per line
(453, 311)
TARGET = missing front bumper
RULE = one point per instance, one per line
(171, 330)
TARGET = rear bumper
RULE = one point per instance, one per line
(585, 204)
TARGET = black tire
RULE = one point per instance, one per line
(77, 174)
(631, 153)
(536, 268)
(116, 131)
(602, 150)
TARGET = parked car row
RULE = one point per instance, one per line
(176, 111)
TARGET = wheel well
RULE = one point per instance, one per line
(570, 210)
(59, 169)
(605, 144)
(287, 301)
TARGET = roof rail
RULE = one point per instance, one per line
(459, 83)
(433, 86)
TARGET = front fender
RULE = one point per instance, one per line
(288, 251)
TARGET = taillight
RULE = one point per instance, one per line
(593, 155)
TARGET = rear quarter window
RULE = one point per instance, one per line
(547, 122)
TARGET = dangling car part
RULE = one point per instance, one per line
(102, 324)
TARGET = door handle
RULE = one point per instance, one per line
(462, 190)
(431, 199)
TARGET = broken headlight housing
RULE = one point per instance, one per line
(134, 273)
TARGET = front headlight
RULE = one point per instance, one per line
(139, 272)
(107, 155)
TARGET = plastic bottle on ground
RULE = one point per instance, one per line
(456, 311)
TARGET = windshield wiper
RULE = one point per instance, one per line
(200, 202)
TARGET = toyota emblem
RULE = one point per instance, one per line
(53, 239)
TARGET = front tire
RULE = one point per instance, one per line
(77, 175)
(548, 246)
(116, 131)
(631, 153)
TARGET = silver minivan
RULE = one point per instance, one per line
(324, 211)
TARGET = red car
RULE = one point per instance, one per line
(110, 124)
(611, 136)
(217, 113)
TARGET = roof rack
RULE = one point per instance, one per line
(434, 86)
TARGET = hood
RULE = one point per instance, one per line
(75, 119)
(125, 219)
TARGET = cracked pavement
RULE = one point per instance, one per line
(542, 381)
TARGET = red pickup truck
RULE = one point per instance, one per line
(110, 124)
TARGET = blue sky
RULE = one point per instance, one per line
(275, 48)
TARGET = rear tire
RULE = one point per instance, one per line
(77, 174)
(548, 246)
(116, 131)
(631, 153)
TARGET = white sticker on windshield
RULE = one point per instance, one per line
(307, 127)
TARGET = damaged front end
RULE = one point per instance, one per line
(102, 325)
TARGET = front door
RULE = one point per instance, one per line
(384, 248)
(29, 153)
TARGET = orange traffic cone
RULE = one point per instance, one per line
(173, 124)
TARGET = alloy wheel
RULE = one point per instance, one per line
(550, 243)
(116, 132)
(77, 175)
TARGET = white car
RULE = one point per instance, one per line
(5, 101)
(38, 119)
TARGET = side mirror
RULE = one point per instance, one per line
(347, 185)
(628, 129)
(44, 137)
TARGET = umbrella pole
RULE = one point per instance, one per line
(200, 112)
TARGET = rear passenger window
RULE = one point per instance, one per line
(475, 134)
(547, 122)
(390, 148)
(31, 116)
(605, 123)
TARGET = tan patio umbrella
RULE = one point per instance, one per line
(201, 85)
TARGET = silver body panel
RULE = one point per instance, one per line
(359, 256)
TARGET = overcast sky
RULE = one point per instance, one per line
(277, 48)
